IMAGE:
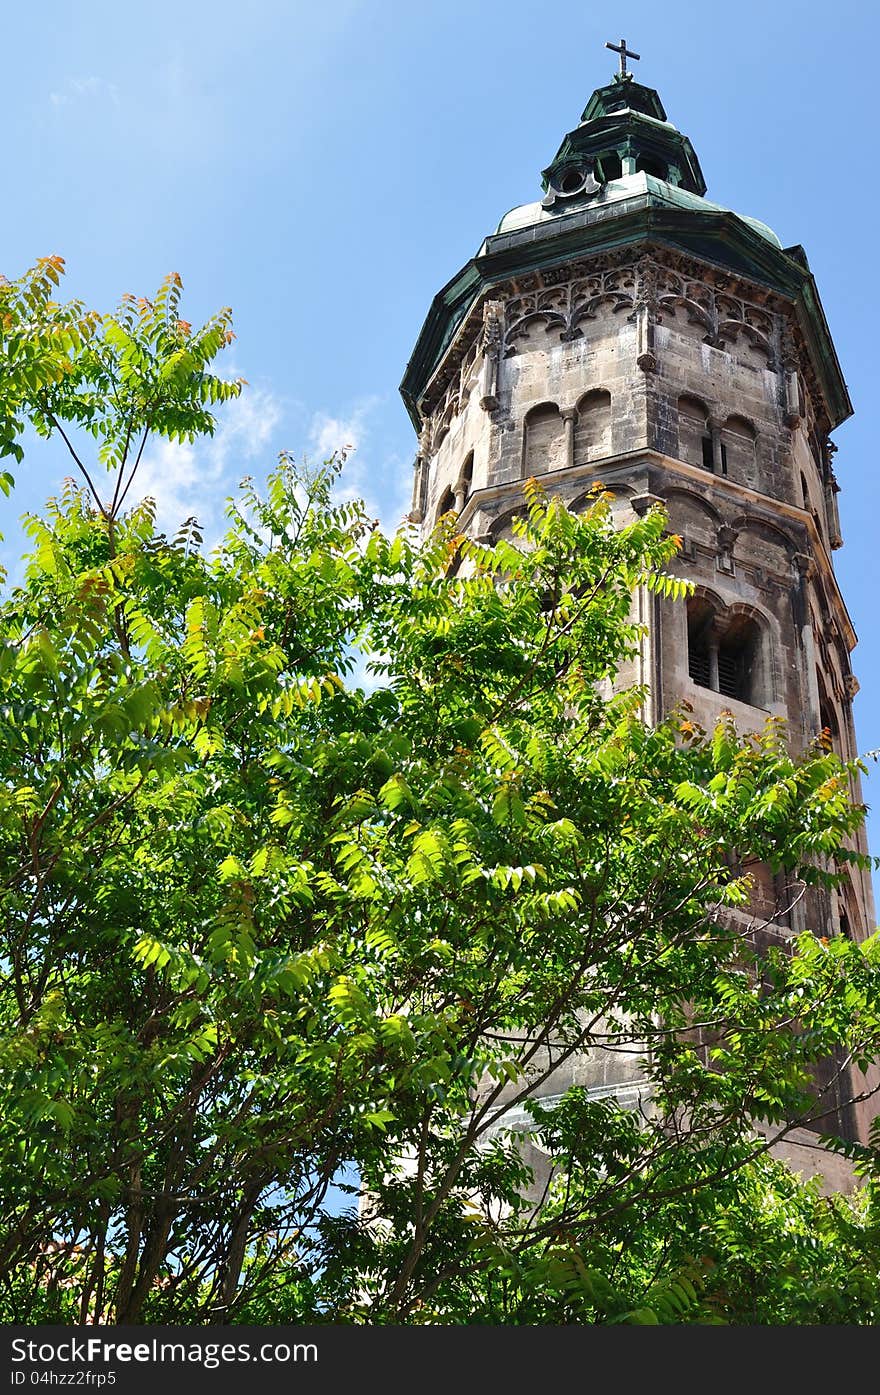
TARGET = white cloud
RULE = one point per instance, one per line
(75, 89)
(385, 489)
(328, 434)
(195, 480)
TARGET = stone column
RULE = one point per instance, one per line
(647, 608)
(715, 433)
(569, 417)
(420, 480)
(712, 648)
(805, 566)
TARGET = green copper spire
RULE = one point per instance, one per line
(625, 176)
(621, 95)
(623, 131)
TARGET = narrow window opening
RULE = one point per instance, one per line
(700, 640)
(592, 431)
(698, 664)
(731, 680)
(464, 482)
(447, 503)
(694, 436)
(739, 446)
(652, 165)
(544, 440)
(828, 719)
(737, 651)
(724, 659)
(708, 449)
(609, 166)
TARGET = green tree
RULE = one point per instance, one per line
(264, 934)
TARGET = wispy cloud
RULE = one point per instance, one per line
(384, 488)
(78, 89)
(328, 433)
(195, 480)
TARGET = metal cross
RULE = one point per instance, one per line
(625, 53)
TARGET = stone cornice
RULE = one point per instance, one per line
(737, 493)
(720, 240)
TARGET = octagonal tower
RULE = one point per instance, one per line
(625, 330)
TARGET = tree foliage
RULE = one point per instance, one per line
(269, 937)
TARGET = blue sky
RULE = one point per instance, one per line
(324, 168)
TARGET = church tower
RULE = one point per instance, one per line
(623, 330)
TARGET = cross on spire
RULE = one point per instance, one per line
(625, 53)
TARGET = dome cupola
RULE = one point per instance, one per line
(623, 131)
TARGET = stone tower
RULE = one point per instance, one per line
(624, 330)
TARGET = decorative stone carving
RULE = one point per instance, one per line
(727, 308)
(831, 489)
(851, 685)
(788, 351)
(792, 414)
(645, 298)
(641, 503)
(709, 304)
(566, 306)
(727, 537)
(688, 550)
(574, 181)
(493, 329)
(440, 408)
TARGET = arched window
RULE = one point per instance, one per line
(805, 492)
(446, 504)
(694, 436)
(701, 620)
(464, 482)
(725, 652)
(828, 715)
(467, 470)
(739, 450)
(738, 651)
(592, 431)
(544, 445)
